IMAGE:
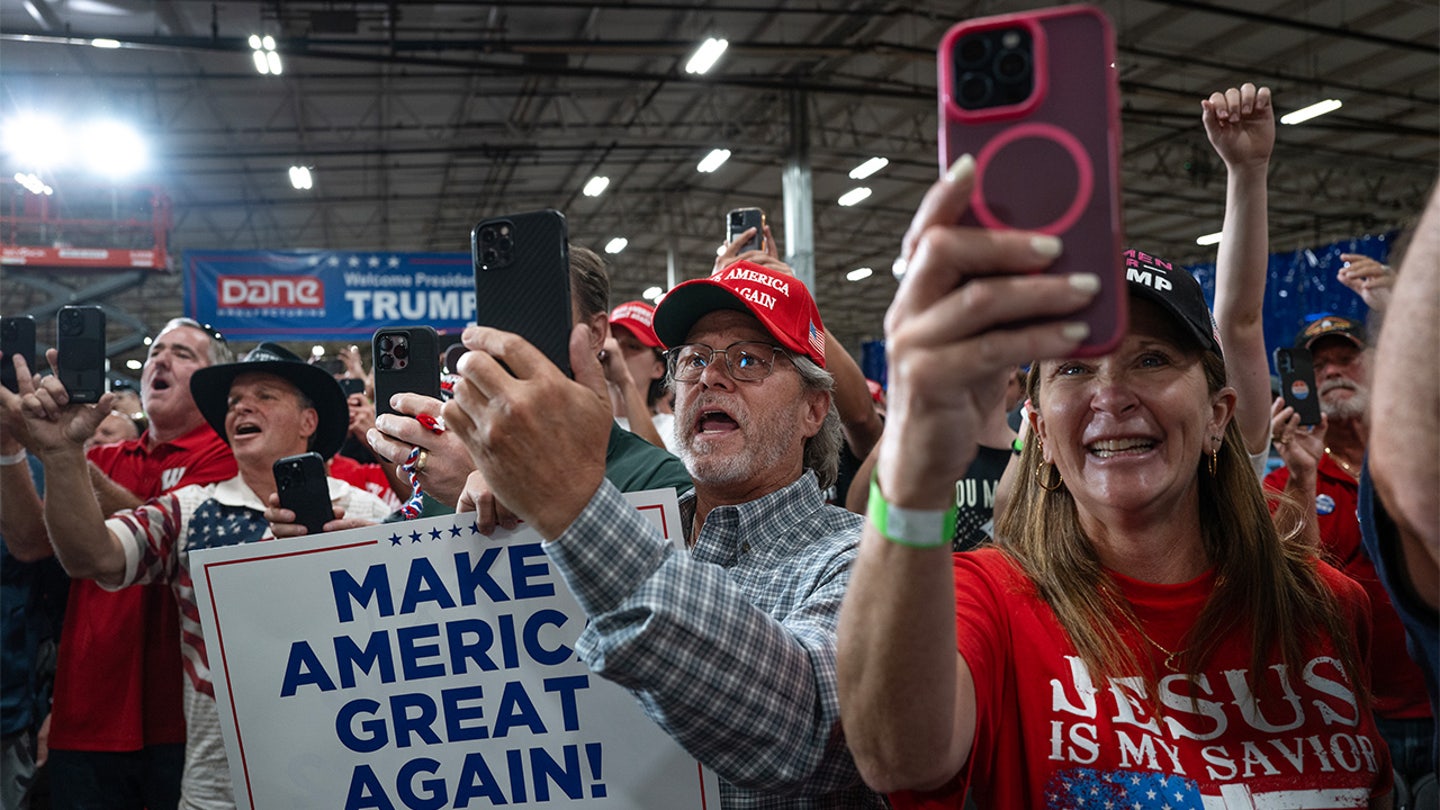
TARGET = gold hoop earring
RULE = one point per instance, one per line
(1041, 475)
(1214, 461)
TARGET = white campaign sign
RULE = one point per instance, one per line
(422, 665)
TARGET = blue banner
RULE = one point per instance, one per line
(327, 294)
(1300, 286)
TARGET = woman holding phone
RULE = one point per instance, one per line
(1141, 632)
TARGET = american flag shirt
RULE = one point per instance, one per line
(731, 647)
(159, 535)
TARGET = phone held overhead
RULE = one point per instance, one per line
(1033, 98)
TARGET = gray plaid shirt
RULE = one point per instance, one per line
(730, 648)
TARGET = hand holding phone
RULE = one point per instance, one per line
(301, 484)
(1297, 383)
(1033, 98)
(17, 339)
(80, 351)
(407, 360)
(740, 220)
(522, 280)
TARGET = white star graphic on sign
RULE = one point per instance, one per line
(374, 261)
(394, 261)
(354, 261)
(333, 261)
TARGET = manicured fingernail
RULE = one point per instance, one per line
(1076, 330)
(1085, 282)
(1047, 246)
(961, 170)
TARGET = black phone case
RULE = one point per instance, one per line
(527, 291)
(80, 344)
(17, 337)
(742, 219)
(420, 373)
(351, 386)
(300, 481)
(1297, 383)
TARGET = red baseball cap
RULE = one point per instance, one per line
(639, 318)
(780, 302)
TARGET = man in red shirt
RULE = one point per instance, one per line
(117, 728)
(1322, 467)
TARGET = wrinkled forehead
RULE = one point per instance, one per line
(258, 380)
(733, 323)
(185, 335)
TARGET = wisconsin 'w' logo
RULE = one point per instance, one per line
(169, 478)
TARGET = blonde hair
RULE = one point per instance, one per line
(1266, 582)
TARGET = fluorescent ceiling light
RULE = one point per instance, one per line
(102, 42)
(853, 196)
(268, 42)
(713, 161)
(1208, 239)
(652, 293)
(706, 55)
(273, 59)
(616, 245)
(859, 274)
(133, 365)
(300, 178)
(1304, 114)
(262, 65)
(868, 168)
(254, 42)
(596, 185)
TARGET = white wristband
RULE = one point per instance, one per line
(13, 458)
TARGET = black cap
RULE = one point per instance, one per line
(211, 389)
(1176, 291)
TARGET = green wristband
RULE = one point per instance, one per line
(916, 528)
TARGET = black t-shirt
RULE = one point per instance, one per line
(975, 497)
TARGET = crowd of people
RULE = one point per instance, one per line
(1060, 581)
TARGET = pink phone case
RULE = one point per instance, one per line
(1050, 163)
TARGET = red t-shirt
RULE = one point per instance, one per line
(118, 676)
(1399, 683)
(369, 477)
(1048, 735)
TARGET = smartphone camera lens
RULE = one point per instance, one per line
(974, 90)
(487, 236)
(402, 351)
(386, 362)
(973, 50)
(386, 342)
(70, 322)
(1012, 66)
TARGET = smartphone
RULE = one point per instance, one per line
(1297, 383)
(351, 386)
(80, 344)
(1034, 97)
(742, 219)
(407, 360)
(300, 482)
(17, 337)
(522, 279)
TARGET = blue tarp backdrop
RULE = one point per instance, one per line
(1299, 286)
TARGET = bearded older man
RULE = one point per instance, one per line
(1322, 467)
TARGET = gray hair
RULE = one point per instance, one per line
(219, 350)
(822, 451)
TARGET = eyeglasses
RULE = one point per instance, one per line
(746, 360)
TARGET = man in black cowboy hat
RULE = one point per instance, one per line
(268, 406)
